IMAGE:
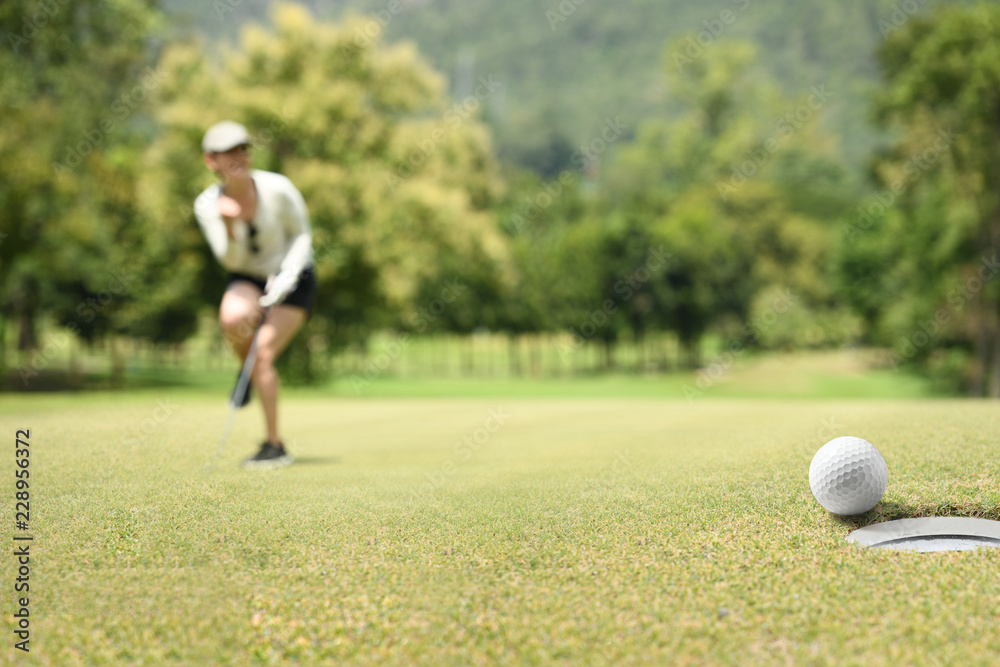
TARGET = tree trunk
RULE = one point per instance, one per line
(982, 347)
(3, 347)
(469, 360)
(994, 381)
(535, 355)
(579, 358)
(993, 374)
(117, 365)
(488, 343)
(440, 363)
(27, 337)
(74, 363)
(692, 353)
(640, 355)
(663, 356)
(513, 355)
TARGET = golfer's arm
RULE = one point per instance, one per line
(229, 252)
(299, 254)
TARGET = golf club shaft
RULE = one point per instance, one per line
(241, 386)
(248, 365)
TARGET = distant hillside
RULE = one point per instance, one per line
(566, 65)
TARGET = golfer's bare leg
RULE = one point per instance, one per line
(275, 335)
(239, 315)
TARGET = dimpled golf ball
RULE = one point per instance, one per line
(848, 476)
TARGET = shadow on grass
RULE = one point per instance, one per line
(47, 380)
(891, 511)
(53, 380)
(317, 460)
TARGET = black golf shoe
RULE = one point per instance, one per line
(269, 456)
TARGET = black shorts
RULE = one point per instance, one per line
(304, 295)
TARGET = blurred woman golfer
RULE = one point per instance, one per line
(257, 225)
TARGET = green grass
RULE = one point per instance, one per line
(583, 531)
(831, 374)
(479, 365)
(803, 375)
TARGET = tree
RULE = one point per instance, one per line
(941, 181)
(715, 188)
(398, 182)
(75, 76)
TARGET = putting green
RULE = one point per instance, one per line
(495, 531)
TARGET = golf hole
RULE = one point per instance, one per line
(927, 534)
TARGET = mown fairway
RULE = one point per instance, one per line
(582, 532)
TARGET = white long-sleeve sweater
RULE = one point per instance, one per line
(283, 237)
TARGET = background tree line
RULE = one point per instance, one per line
(747, 191)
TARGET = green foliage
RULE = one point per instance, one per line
(71, 99)
(935, 224)
(399, 184)
(567, 66)
(715, 188)
(723, 202)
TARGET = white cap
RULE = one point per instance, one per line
(224, 136)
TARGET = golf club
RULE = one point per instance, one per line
(241, 387)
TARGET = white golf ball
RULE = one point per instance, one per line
(848, 476)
